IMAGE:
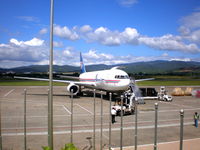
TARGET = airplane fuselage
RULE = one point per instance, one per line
(112, 80)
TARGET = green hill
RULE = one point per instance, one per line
(138, 67)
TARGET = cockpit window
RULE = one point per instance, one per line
(121, 77)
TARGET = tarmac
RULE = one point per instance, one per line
(12, 121)
(190, 144)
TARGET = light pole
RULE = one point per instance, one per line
(25, 145)
(156, 126)
(94, 118)
(50, 100)
(71, 136)
(181, 128)
(121, 128)
(101, 135)
(110, 118)
(136, 122)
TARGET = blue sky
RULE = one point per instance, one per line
(105, 31)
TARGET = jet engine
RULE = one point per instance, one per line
(73, 87)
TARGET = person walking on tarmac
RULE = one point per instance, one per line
(113, 114)
(196, 119)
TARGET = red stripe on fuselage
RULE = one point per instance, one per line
(94, 80)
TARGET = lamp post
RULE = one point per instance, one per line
(50, 100)
(110, 96)
(101, 134)
(25, 145)
(121, 128)
(94, 118)
(136, 121)
(156, 126)
(181, 128)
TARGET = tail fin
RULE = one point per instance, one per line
(82, 64)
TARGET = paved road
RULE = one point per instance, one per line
(190, 144)
(12, 120)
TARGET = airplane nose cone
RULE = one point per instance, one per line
(128, 82)
(125, 83)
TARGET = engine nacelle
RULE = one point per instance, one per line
(73, 87)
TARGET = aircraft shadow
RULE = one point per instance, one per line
(86, 93)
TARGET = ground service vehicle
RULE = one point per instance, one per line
(151, 93)
(128, 104)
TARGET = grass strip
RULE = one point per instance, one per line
(143, 83)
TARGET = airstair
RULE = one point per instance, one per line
(134, 89)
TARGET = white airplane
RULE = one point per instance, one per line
(113, 80)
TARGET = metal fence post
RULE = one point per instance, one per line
(110, 96)
(181, 128)
(101, 135)
(71, 139)
(94, 120)
(121, 128)
(156, 126)
(136, 122)
(25, 145)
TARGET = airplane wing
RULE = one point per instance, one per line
(61, 81)
(69, 77)
(144, 79)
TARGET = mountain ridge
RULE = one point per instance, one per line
(158, 66)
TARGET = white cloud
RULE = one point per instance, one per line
(68, 52)
(169, 42)
(27, 51)
(104, 36)
(127, 3)
(184, 30)
(94, 57)
(193, 36)
(13, 55)
(107, 37)
(180, 59)
(14, 41)
(130, 35)
(57, 44)
(32, 42)
(29, 18)
(43, 31)
(13, 63)
(85, 28)
(65, 32)
(35, 51)
(42, 62)
(191, 21)
(190, 27)
(4, 45)
(92, 54)
(101, 30)
(165, 54)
